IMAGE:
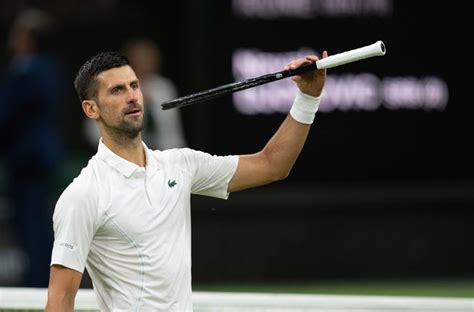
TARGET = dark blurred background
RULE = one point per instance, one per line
(383, 189)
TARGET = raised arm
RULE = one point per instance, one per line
(62, 289)
(275, 160)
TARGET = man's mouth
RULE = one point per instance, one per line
(133, 112)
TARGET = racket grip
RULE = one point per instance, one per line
(375, 49)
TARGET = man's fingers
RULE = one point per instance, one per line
(296, 78)
(296, 64)
(301, 61)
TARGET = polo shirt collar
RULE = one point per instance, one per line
(122, 165)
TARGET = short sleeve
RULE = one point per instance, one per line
(211, 173)
(75, 222)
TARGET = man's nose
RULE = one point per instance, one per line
(133, 94)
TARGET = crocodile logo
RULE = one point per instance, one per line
(172, 183)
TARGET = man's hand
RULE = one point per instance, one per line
(310, 83)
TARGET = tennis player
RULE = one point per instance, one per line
(126, 217)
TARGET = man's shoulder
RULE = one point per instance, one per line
(176, 155)
(80, 199)
(84, 185)
(174, 158)
(189, 159)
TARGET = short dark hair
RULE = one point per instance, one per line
(85, 82)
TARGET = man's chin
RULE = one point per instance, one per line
(131, 130)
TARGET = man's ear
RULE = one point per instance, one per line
(90, 109)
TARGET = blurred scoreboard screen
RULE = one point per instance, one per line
(396, 117)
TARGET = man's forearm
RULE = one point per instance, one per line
(285, 146)
(60, 303)
(59, 307)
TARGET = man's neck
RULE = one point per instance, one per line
(130, 149)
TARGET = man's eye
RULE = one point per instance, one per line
(116, 90)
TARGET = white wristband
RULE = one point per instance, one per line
(305, 107)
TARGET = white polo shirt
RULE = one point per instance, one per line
(131, 226)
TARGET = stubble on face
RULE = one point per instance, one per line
(129, 125)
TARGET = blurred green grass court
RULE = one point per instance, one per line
(425, 288)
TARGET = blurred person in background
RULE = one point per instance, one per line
(30, 99)
(127, 215)
(163, 129)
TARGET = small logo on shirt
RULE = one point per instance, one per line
(67, 245)
(172, 183)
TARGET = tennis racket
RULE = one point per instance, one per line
(375, 49)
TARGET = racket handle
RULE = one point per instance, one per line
(375, 49)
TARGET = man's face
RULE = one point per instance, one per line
(120, 101)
